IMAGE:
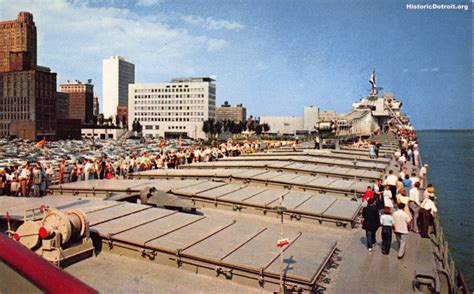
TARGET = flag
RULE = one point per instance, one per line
(372, 79)
(41, 143)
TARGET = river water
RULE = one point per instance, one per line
(450, 155)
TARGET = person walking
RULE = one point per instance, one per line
(392, 181)
(370, 222)
(377, 149)
(414, 206)
(372, 150)
(62, 171)
(416, 156)
(24, 178)
(407, 183)
(386, 220)
(402, 198)
(37, 179)
(369, 193)
(400, 224)
(402, 160)
(378, 194)
(316, 143)
(387, 197)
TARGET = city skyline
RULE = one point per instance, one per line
(271, 53)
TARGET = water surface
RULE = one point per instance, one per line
(450, 155)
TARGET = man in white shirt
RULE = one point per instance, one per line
(414, 179)
(88, 170)
(422, 174)
(416, 156)
(427, 211)
(429, 204)
(402, 160)
(414, 205)
(401, 222)
(391, 181)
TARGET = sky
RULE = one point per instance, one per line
(273, 56)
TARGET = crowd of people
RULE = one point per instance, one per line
(32, 180)
(26, 179)
(395, 204)
(400, 203)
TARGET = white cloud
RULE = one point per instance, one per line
(405, 70)
(148, 3)
(424, 70)
(212, 24)
(216, 44)
(74, 38)
(435, 69)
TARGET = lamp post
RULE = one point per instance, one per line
(282, 242)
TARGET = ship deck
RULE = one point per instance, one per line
(231, 241)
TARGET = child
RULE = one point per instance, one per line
(386, 220)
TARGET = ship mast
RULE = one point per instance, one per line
(373, 83)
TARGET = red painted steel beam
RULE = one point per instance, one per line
(38, 271)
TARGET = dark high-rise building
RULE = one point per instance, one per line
(18, 43)
(62, 105)
(27, 91)
(95, 106)
(81, 100)
(28, 103)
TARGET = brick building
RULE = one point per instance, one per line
(27, 91)
(236, 113)
(122, 113)
(81, 100)
(18, 43)
(28, 96)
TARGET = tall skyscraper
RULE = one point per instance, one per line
(117, 74)
(27, 91)
(95, 108)
(81, 100)
(18, 43)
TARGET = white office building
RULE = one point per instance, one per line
(117, 74)
(173, 109)
(293, 125)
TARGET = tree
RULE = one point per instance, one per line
(266, 127)
(217, 128)
(207, 126)
(136, 126)
(259, 129)
(239, 128)
(124, 121)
